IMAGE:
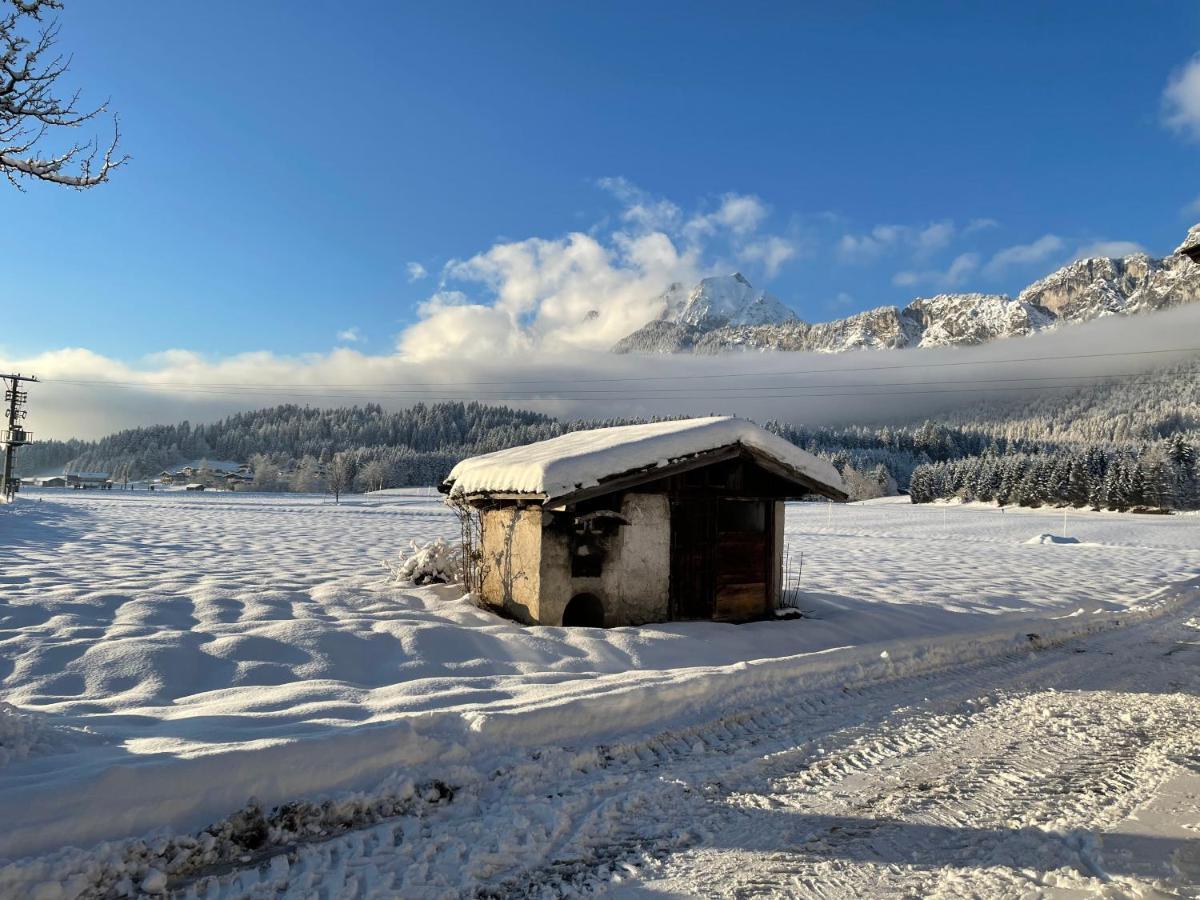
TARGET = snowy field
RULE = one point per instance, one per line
(169, 656)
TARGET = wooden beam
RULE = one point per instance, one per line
(486, 497)
(810, 485)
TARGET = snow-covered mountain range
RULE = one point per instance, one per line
(727, 313)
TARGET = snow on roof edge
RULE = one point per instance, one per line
(572, 462)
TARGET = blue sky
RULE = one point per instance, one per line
(291, 161)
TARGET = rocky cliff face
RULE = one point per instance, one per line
(1090, 288)
(726, 313)
(951, 319)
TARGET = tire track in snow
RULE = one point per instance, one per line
(1080, 780)
(995, 773)
(1024, 791)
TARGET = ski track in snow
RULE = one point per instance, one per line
(143, 628)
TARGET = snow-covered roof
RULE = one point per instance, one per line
(570, 463)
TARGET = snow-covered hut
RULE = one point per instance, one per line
(638, 523)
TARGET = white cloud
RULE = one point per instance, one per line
(740, 214)
(349, 335)
(640, 207)
(962, 266)
(416, 271)
(920, 241)
(772, 252)
(960, 269)
(544, 294)
(980, 225)
(934, 237)
(1181, 99)
(1192, 208)
(1045, 247)
(1113, 249)
(586, 291)
(863, 248)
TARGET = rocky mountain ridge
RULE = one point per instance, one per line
(726, 313)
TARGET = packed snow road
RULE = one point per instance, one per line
(1071, 770)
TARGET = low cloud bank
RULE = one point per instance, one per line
(87, 395)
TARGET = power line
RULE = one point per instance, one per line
(296, 389)
(745, 393)
(693, 377)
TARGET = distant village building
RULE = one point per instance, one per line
(639, 523)
(47, 481)
(209, 477)
(81, 480)
(194, 486)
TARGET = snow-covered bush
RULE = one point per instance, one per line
(431, 562)
(24, 735)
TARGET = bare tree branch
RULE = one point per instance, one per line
(30, 108)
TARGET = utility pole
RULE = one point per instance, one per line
(15, 435)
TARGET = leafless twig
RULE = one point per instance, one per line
(30, 107)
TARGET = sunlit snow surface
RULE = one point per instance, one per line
(158, 632)
(176, 621)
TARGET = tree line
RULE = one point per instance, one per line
(295, 446)
(1158, 476)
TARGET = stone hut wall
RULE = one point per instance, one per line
(511, 552)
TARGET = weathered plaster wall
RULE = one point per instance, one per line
(511, 548)
(636, 579)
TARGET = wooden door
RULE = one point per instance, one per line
(742, 569)
(693, 558)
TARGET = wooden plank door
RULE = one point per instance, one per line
(693, 558)
(742, 569)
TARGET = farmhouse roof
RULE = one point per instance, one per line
(581, 463)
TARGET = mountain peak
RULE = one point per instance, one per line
(728, 300)
(724, 312)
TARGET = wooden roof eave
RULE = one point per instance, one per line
(483, 498)
(806, 484)
(810, 485)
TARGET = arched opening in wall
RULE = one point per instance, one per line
(585, 611)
